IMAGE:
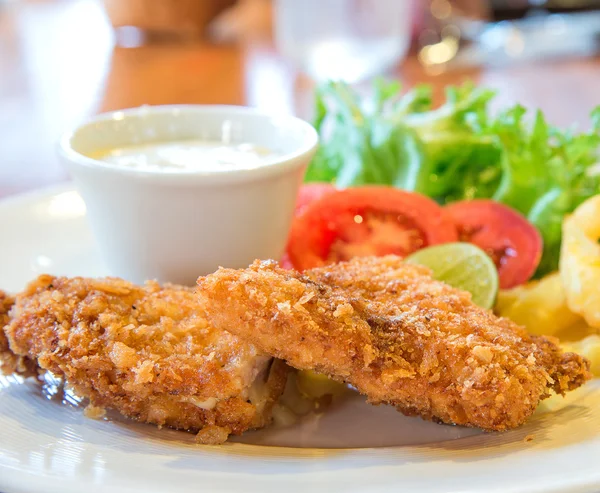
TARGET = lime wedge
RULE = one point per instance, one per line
(463, 266)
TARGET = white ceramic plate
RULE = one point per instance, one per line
(47, 445)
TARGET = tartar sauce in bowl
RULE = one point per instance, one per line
(174, 192)
(188, 155)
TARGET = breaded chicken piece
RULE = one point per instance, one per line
(146, 351)
(6, 357)
(395, 334)
(9, 361)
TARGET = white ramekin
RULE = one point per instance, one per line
(175, 226)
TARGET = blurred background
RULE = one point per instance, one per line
(63, 60)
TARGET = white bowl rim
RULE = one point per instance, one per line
(274, 165)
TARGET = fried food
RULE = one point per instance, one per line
(396, 335)
(589, 347)
(580, 260)
(146, 351)
(7, 359)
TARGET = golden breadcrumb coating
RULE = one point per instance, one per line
(146, 351)
(8, 361)
(395, 334)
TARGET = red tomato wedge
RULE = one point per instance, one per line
(310, 192)
(363, 221)
(509, 239)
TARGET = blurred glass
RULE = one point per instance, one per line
(343, 39)
(462, 33)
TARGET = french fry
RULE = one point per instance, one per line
(580, 260)
(540, 306)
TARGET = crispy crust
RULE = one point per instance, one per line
(397, 335)
(9, 362)
(7, 359)
(146, 351)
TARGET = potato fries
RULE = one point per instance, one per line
(540, 306)
(580, 260)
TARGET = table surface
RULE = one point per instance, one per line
(59, 64)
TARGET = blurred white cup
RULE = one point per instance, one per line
(343, 39)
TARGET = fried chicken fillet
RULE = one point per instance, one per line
(9, 362)
(146, 351)
(396, 335)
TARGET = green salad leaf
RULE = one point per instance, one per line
(457, 151)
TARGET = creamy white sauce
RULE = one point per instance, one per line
(188, 155)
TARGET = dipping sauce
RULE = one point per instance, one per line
(187, 155)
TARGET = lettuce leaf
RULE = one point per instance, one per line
(457, 151)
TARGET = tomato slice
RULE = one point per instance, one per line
(363, 221)
(310, 192)
(509, 239)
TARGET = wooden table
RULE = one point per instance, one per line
(58, 65)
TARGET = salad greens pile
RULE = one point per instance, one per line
(457, 151)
